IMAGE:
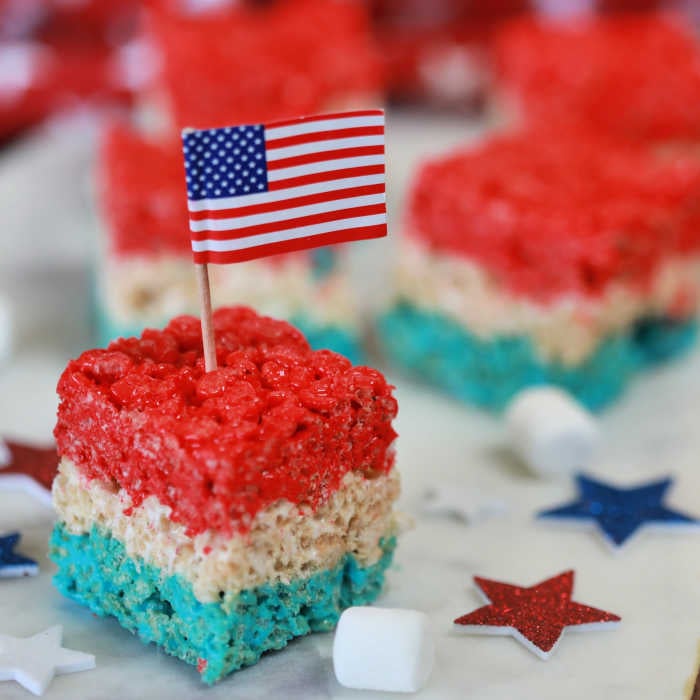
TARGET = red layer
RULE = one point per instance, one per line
(276, 420)
(559, 214)
(250, 65)
(633, 76)
(142, 194)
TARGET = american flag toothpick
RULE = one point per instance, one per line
(264, 189)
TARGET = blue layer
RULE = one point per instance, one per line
(95, 570)
(489, 372)
(341, 340)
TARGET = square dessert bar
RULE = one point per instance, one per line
(635, 76)
(145, 274)
(256, 63)
(221, 514)
(546, 258)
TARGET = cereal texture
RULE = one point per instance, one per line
(605, 74)
(489, 372)
(218, 637)
(557, 214)
(284, 543)
(345, 341)
(275, 421)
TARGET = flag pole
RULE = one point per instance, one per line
(207, 323)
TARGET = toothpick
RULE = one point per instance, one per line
(207, 323)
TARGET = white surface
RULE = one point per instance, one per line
(551, 432)
(654, 584)
(6, 330)
(34, 661)
(383, 649)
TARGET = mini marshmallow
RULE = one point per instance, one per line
(5, 329)
(550, 431)
(385, 649)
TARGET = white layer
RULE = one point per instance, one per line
(285, 542)
(152, 290)
(568, 330)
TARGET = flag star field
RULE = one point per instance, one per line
(225, 162)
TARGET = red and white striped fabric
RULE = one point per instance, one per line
(259, 190)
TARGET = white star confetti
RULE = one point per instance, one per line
(458, 501)
(34, 661)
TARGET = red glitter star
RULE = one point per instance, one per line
(28, 468)
(535, 616)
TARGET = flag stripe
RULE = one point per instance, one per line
(290, 203)
(316, 157)
(290, 246)
(328, 135)
(318, 178)
(310, 126)
(306, 119)
(353, 144)
(289, 234)
(214, 205)
(325, 166)
(338, 214)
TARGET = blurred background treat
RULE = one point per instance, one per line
(542, 257)
(636, 77)
(61, 56)
(261, 61)
(299, 56)
(122, 77)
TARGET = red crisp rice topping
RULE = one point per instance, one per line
(633, 76)
(559, 214)
(142, 194)
(275, 421)
(256, 64)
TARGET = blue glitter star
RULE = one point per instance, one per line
(619, 512)
(12, 564)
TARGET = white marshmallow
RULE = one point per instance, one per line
(550, 431)
(383, 649)
(5, 329)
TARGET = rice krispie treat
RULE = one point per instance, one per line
(221, 514)
(632, 76)
(254, 63)
(546, 258)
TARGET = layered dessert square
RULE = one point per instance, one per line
(145, 273)
(633, 76)
(545, 257)
(221, 514)
(257, 62)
